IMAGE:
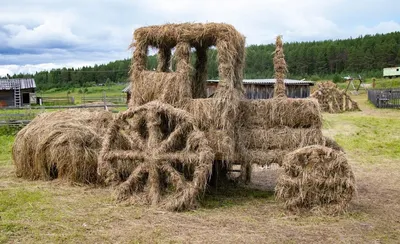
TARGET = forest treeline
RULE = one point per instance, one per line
(366, 55)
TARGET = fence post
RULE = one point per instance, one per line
(104, 100)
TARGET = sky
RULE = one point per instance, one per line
(40, 35)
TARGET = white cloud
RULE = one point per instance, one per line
(382, 27)
(52, 30)
(31, 69)
(36, 33)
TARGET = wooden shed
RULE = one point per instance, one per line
(17, 92)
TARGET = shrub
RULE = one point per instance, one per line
(337, 78)
(315, 78)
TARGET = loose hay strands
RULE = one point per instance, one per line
(63, 144)
(155, 155)
(332, 99)
(331, 143)
(280, 69)
(316, 178)
(263, 157)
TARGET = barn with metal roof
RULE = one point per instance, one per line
(17, 92)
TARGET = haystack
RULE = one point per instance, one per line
(154, 154)
(63, 144)
(280, 69)
(332, 99)
(317, 178)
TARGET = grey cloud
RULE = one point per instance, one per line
(57, 32)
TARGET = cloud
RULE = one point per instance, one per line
(382, 27)
(37, 33)
(31, 69)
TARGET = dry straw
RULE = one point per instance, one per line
(280, 69)
(148, 86)
(316, 178)
(287, 132)
(271, 128)
(62, 144)
(185, 87)
(154, 154)
(162, 149)
(332, 99)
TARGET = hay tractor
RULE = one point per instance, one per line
(173, 138)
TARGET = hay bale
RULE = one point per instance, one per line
(271, 113)
(280, 138)
(265, 147)
(316, 178)
(332, 99)
(63, 144)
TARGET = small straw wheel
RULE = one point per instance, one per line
(155, 154)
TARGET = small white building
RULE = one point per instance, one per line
(391, 72)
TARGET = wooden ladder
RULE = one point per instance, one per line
(17, 94)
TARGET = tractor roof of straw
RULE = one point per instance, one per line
(172, 140)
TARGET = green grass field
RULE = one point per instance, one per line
(89, 92)
(379, 83)
(56, 211)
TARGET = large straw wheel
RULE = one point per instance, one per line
(155, 154)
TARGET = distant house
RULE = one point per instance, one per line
(391, 72)
(17, 92)
(258, 88)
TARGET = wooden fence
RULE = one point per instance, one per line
(16, 119)
(385, 98)
(57, 100)
(104, 99)
(21, 119)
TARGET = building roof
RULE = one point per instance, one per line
(255, 81)
(127, 88)
(10, 84)
(272, 82)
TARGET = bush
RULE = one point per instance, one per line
(337, 78)
(315, 78)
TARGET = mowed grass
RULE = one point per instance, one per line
(6, 142)
(370, 139)
(89, 92)
(53, 212)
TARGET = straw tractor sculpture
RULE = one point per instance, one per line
(172, 139)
